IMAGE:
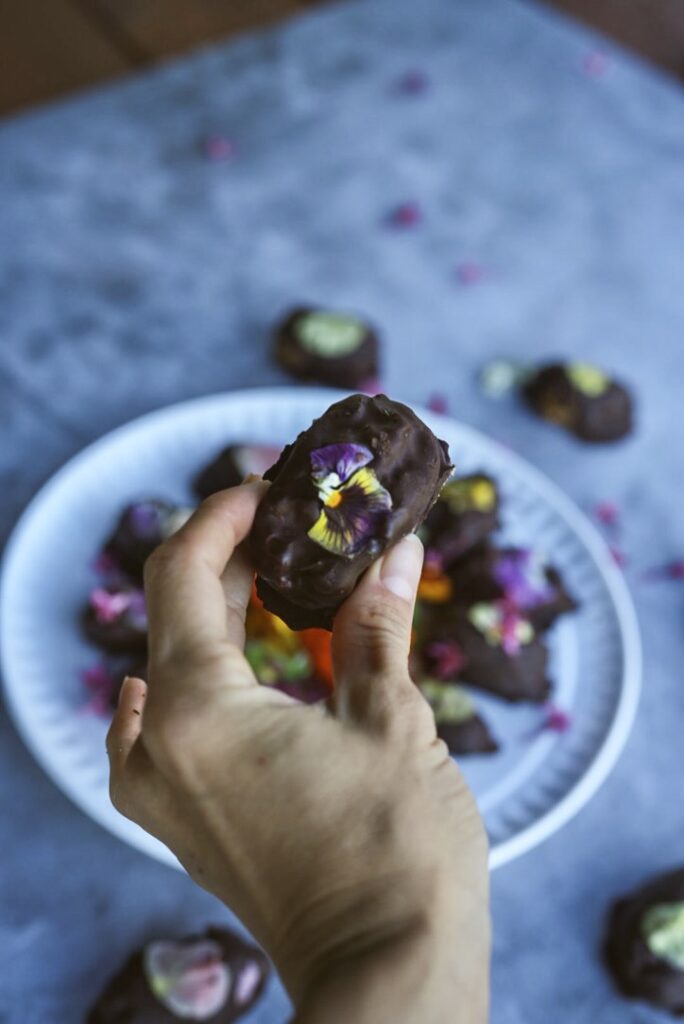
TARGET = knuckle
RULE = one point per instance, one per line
(380, 622)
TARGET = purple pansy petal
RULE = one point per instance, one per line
(521, 574)
(352, 513)
(144, 520)
(342, 459)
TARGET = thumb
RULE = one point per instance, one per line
(372, 635)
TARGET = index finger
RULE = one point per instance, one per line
(187, 607)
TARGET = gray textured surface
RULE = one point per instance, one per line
(134, 273)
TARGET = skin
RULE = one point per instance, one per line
(344, 837)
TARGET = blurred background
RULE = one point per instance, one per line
(52, 47)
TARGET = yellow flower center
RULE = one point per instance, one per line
(333, 500)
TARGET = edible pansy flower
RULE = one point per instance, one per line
(588, 379)
(501, 625)
(435, 586)
(662, 927)
(354, 502)
(110, 605)
(469, 493)
(102, 685)
(447, 658)
(190, 979)
(522, 575)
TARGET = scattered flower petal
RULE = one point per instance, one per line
(102, 685)
(105, 564)
(447, 656)
(406, 215)
(501, 376)
(619, 556)
(595, 63)
(607, 513)
(413, 83)
(437, 402)
(670, 571)
(470, 272)
(218, 147)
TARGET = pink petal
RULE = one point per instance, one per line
(219, 147)
(437, 402)
(470, 272)
(406, 215)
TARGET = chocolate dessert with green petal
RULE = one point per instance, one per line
(523, 577)
(498, 650)
(458, 723)
(327, 346)
(214, 978)
(363, 475)
(466, 513)
(582, 399)
(644, 946)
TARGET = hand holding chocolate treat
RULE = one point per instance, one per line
(358, 480)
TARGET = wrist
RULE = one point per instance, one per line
(433, 968)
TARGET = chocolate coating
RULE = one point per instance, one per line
(142, 526)
(454, 531)
(125, 634)
(638, 972)
(474, 579)
(299, 580)
(127, 999)
(346, 370)
(601, 417)
(231, 466)
(469, 737)
(513, 677)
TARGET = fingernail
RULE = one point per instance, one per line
(401, 567)
(123, 683)
(252, 478)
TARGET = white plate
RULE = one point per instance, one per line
(526, 792)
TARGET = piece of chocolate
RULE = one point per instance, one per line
(142, 527)
(644, 945)
(215, 978)
(231, 466)
(466, 513)
(521, 576)
(327, 346)
(458, 723)
(489, 645)
(115, 619)
(358, 480)
(582, 399)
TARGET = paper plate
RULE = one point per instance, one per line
(526, 792)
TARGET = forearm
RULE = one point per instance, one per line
(427, 974)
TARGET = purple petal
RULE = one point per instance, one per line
(247, 983)
(343, 459)
(144, 520)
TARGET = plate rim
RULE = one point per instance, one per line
(550, 821)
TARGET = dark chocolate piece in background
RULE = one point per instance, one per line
(327, 346)
(582, 399)
(464, 516)
(125, 633)
(128, 999)
(143, 526)
(230, 467)
(637, 970)
(457, 719)
(479, 577)
(513, 677)
(299, 580)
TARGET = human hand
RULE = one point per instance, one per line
(344, 838)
